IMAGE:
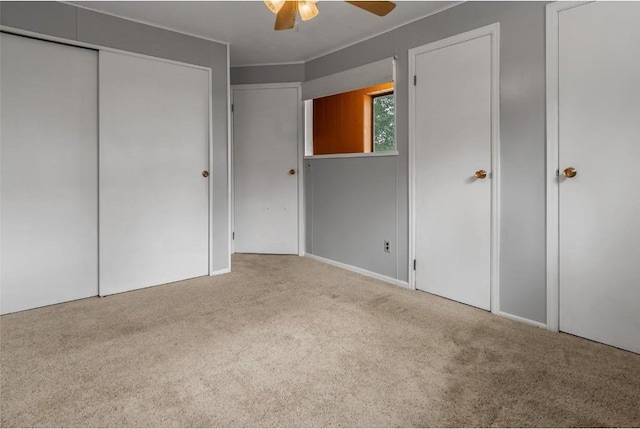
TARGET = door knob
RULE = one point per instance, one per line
(292, 171)
(481, 174)
(205, 173)
(569, 172)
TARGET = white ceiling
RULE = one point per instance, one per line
(248, 25)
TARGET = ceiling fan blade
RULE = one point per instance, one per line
(380, 8)
(286, 17)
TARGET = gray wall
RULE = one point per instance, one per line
(352, 211)
(72, 23)
(350, 206)
(267, 74)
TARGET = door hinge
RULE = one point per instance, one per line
(232, 108)
(414, 265)
(233, 235)
(415, 80)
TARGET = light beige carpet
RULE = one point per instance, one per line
(288, 341)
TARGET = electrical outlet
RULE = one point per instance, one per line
(387, 247)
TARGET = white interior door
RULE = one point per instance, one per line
(154, 204)
(48, 173)
(453, 141)
(265, 161)
(599, 136)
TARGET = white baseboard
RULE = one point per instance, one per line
(222, 271)
(359, 271)
(522, 319)
(406, 285)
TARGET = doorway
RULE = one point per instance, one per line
(593, 202)
(454, 164)
(267, 180)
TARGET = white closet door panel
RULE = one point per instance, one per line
(265, 149)
(453, 141)
(48, 173)
(154, 132)
(599, 135)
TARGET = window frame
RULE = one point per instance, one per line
(373, 96)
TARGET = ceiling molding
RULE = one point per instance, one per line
(344, 46)
(140, 21)
(289, 63)
(256, 48)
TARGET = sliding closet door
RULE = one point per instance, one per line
(48, 173)
(154, 205)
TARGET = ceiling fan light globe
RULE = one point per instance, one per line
(307, 9)
(274, 5)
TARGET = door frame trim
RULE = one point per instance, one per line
(299, 157)
(492, 30)
(552, 162)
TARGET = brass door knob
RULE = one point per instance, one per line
(292, 171)
(569, 172)
(205, 173)
(481, 174)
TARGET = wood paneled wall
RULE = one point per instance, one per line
(342, 122)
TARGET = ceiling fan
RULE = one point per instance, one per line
(286, 11)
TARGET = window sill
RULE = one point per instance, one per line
(353, 155)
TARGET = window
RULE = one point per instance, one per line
(384, 111)
(360, 121)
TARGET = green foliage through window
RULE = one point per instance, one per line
(384, 110)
